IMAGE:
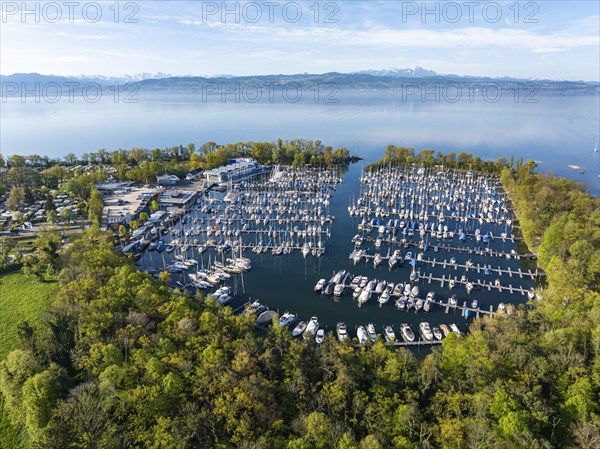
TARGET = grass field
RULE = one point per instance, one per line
(22, 298)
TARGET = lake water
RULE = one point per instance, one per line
(557, 131)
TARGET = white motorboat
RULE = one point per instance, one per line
(469, 287)
(356, 293)
(341, 331)
(361, 334)
(364, 296)
(371, 331)
(320, 336)
(286, 319)
(454, 328)
(419, 304)
(407, 333)
(377, 260)
(371, 285)
(320, 284)
(425, 331)
(390, 335)
(380, 287)
(305, 250)
(311, 328)
(401, 303)
(428, 301)
(414, 292)
(398, 290)
(452, 301)
(299, 329)
(437, 333)
(338, 290)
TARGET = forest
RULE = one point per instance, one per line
(120, 361)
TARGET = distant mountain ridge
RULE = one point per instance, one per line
(366, 80)
(417, 72)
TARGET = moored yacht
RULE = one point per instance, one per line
(320, 284)
(320, 336)
(342, 333)
(286, 319)
(361, 334)
(425, 331)
(390, 335)
(407, 333)
(299, 329)
(371, 331)
(311, 328)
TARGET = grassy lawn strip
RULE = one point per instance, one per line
(22, 298)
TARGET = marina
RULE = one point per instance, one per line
(271, 238)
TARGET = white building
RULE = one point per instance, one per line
(167, 180)
(235, 170)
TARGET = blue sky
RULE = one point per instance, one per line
(543, 39)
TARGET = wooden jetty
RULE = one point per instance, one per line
(477, 283)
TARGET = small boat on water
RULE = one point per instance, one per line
(371, 331)
(401, 303)
(437, 333)
(398, 290)
(311, 328)
(407, 333)
(338, 277)
(286, 319)
(364, 296)
(469, 287)
(320, 284)
(299, 329)
(265, 318)
(419, 304)
(380, 287)
(328, 289)
(445, 329)
(414, 292)
(454, 328)
(355, 282)
(338, 290)
(377, 260)
(389, 334)
(356, 293)
(425, 331)
(361, 334)
(393, 260)
(320, 336)
(342, 333)
(452, 301)
(428, 301)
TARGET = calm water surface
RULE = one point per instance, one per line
(556, 130)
